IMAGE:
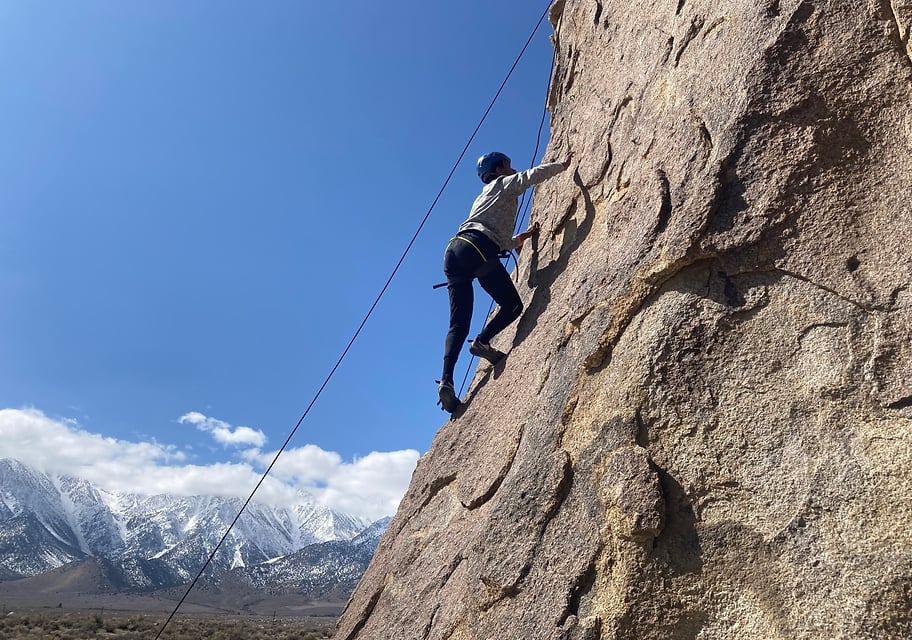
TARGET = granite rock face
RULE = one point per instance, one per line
(703, 428)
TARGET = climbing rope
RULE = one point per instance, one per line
(358, 330)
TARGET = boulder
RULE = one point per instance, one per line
(703, 428)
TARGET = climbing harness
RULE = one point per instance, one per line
(481, 271)
(474, 246)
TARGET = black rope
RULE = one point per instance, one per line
(541, 126)
(358, 330)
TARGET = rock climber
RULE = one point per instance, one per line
(473, 253)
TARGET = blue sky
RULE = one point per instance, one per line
(200, 200)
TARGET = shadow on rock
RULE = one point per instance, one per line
(541, 279)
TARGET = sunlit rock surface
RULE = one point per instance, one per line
(703, 428)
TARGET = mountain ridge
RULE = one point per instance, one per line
(136, 543)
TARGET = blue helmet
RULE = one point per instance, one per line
(488, 162)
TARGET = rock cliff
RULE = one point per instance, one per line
(703, 428)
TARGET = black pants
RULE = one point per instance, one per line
(472, 255)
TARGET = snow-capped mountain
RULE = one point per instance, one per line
(324, 570)
(47, 521)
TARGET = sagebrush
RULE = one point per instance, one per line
(61, 625)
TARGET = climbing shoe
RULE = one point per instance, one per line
(447, 396)
(486, 351)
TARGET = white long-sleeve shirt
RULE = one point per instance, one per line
(494, 210)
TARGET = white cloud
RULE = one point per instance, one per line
(369, 487)
(373, 484)
(381, 477)
(303, 465)
(224, 433)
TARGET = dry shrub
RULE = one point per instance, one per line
(57, 625)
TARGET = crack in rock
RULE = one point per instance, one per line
(368, 610)
(435, 487)
(524, 511)
(900, 10)
(664, 215)
(486, 496)
(696, 24)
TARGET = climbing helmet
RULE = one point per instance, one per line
(488, 162)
